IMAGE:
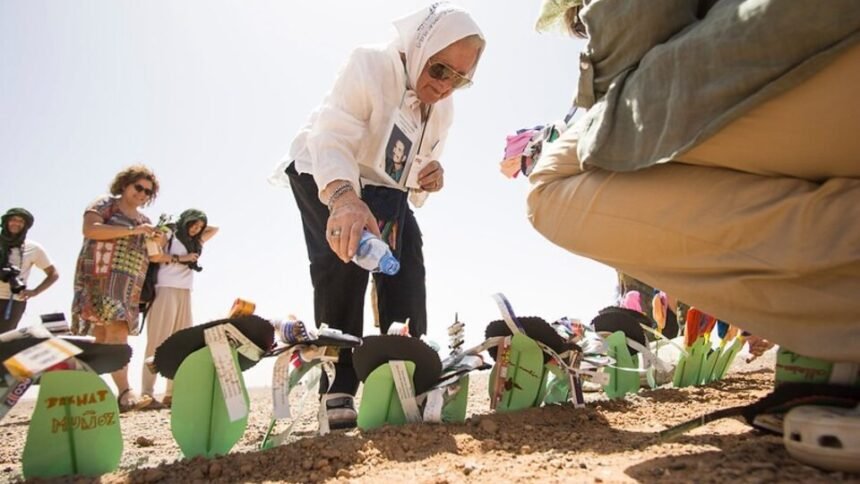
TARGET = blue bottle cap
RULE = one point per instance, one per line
(389, 265)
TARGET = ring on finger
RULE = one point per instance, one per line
(335, 232)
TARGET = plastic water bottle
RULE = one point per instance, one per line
(374, 255)
(291, 331)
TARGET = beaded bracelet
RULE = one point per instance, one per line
(338, 192)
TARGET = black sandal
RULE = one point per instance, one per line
(340, 411)
(139, 404)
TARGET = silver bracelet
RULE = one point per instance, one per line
(338, 192)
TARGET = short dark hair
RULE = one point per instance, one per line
(132, 174)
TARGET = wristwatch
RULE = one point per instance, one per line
(174, 258)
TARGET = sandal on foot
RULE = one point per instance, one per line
(154, 404)
(132, 404)
(340, 410)
(167, 401)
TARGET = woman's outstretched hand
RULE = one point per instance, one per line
(349, 216)
(431, 178)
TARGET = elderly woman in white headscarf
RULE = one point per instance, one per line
(337, 171)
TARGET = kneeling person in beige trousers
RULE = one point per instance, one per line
(756, 223)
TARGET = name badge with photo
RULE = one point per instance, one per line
(401, 145)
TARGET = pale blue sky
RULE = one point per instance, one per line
(209, 94)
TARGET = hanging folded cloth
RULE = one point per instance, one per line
(389, 206)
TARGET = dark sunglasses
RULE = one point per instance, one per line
(141, 188)
(443, 72)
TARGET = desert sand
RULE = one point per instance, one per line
(607, 441)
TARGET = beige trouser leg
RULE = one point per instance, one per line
(771, 247)
(170, 312)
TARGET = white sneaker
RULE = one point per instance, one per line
(825, 437)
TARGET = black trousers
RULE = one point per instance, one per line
(18, 308)
(340, 289)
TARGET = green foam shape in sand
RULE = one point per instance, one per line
(198, 417)
(75, 427)
(706, 374)
(454, 411)
(623, 378)
(380, 404)
(692, 364)
(726, 358)
(525, 376)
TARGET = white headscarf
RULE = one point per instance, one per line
(424, 33)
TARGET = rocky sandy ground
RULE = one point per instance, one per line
(608, 441)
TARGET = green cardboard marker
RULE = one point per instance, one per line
(727, 357)
(678, 376)
(380, 404)
(75, 427)
(454, 410)
(621, 380)
(793, 367)
(711, 355)
(525, 375)
(198, 417)
(557, 386)
(692, 367)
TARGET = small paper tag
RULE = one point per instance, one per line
(243, 345)
(280, 386)
(228, 374)
(405, 390)
(40, 357)
(434, 404)
(306, 377)
(502, 362)
(322, 419)
(322, 416)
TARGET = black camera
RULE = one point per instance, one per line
(12, 275)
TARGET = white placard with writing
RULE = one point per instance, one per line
(405, 390)
(433, 406)
(281, 386)
(243, 345)
(228, 373)
(40, 357)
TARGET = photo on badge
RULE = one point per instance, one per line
(396, 153)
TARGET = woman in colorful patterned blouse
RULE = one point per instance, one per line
(112, 266)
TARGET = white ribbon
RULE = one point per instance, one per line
(405, 390)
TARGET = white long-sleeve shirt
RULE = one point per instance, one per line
(344, 137)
